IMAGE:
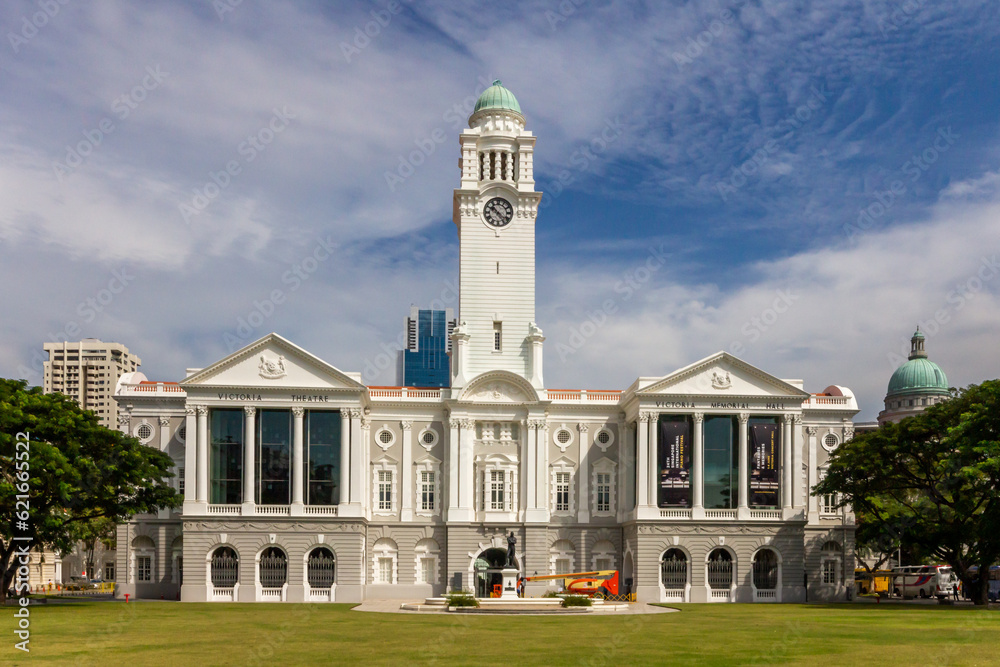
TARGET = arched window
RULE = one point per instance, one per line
(225, 568)
(765, 570)
(562, 557)
(321, 568)
(143, 559)
(384, 561)
(720, 569)
(603, 555)
(426, 561)
(831, 556)
(674, 569)
(273, 568)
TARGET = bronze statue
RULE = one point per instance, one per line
(511, 542)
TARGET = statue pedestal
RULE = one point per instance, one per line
(509, 591)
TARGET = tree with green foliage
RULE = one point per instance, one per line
(72, 471)
(930, 480)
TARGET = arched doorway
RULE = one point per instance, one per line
(674, 575)
(488, 571)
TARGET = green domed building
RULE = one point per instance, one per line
(915, 385)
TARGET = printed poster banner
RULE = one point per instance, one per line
(674, 464)
(765, 465)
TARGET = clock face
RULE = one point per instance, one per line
(498, 212)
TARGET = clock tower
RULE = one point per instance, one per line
(494, 209)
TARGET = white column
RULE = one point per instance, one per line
(796, 445)
(786, 461)
(583, 475)
(744, 466)
(526, 487)
(542, 472)
(653, 486)
(698, 467)
(249, 456)
(642, 464)
(467, 470)
(164, 433)
(453, 466)
(813, 459)
(298, 461)
(406, 473)
(363, 466)
(344, 482)
(203, 454)
(356, 460)
(626, 468)
(190, 457)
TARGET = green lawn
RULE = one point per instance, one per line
(170, 633)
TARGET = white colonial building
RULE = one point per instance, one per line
(301, 483)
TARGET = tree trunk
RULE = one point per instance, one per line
(980, 596)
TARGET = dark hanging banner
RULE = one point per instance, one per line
(765, 465)
(674, 464)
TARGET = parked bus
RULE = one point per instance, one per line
(923, 581)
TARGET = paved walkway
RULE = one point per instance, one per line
(393, 607)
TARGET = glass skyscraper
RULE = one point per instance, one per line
(425, 359)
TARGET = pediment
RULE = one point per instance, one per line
(500, 387)
(721, 375)
(273, 362)
(427, 459)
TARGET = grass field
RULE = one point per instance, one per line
(170, 633)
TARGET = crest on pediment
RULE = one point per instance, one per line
(271, 368)
(721, 380)
(500, 387)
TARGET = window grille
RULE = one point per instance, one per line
(321, 568)
(765, 570)
(273, 568)
(720, 570)
(674, 569)
(225, 568)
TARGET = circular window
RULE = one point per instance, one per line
(604, 437)
(563, 436)
(429, 437)
(144, 432)
(182, 433)
(830, 442)
(385, 437)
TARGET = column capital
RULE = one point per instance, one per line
(468, 423)
(536, 423)
(744, 417)
(164, 421)
(811, 430)
(190, 411)
(454, 423)
(123, 419)
(646, 416)
(353, 413)
(249, 410)
(202, 409)
(796, 419)
(298, 410)
(406, 425)
(699, 417)
(582, 428)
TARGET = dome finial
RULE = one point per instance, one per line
(917, 350)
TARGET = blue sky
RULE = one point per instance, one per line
(837, 161)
